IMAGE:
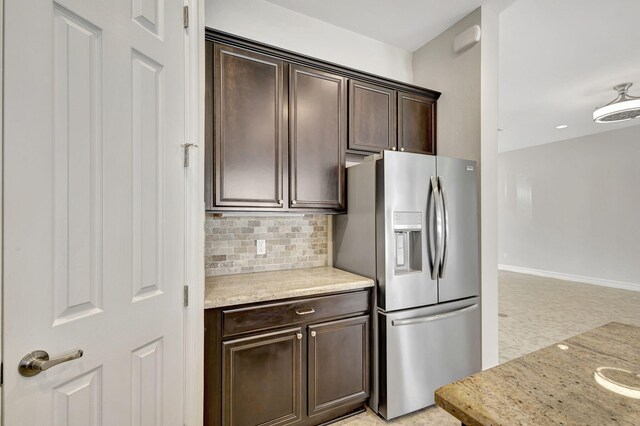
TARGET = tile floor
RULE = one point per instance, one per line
(535, 312)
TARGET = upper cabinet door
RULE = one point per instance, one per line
(318, 135)
(416, 123)
(372, 117)
(249, 136)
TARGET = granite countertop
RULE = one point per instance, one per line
(228, 290)
(590, 379)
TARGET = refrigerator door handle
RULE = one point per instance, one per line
(438, 228)
(431, 318)
(445, 248)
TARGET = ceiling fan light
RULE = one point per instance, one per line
(617, 112)
(623, 108)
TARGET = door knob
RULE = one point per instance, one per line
(37, 361)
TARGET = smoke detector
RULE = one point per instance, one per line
(622, 108)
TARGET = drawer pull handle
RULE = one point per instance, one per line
(299, 336)
(313, 334)
(305, 311)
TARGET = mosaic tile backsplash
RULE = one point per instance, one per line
(291, 243)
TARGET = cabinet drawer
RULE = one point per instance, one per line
(282, 314)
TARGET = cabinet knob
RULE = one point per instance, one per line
(401, 149)
(393, 148)
(294, 202)
(313, 334)
(280, 202)
(299, 336)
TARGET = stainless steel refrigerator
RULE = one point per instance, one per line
(412, 226)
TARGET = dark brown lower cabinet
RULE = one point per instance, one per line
(338, 363)
(253, 368)
(310, 369)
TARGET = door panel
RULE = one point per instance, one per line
(338, 364)
(372, 117)
(404, 189)
(261, 379)
(318, 132)
(437, 345)
(94, 210)
(461, 276)
(78, 402)
(416, 123)
(249, 135)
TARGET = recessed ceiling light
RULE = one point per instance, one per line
(562, 126)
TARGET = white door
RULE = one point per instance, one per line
(94, 210)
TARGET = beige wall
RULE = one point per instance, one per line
(457, 76)
(571, 209)
(268, 23)
(467, 128)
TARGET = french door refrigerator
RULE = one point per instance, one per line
(412, 226)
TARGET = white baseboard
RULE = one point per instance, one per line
(569, 277)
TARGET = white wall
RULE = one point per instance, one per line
(571, 209)
(467, 128)
(268, 23)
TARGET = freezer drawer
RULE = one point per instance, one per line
(423, 349)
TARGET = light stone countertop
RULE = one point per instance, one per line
(560, 384)
(229, 290)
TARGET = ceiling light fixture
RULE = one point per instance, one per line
(562, 126)
(622, 108)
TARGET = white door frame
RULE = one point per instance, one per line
(195, 216)
(1, 191)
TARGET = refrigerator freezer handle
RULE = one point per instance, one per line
(445, 249)
(430, 318)
(438, 244)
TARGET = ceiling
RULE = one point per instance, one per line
(407, 24)
(558, 62)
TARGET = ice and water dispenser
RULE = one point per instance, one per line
(407, 227)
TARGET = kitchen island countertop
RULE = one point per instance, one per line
(239, 289)
(590, 379)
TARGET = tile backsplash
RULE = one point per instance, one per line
(291, 243)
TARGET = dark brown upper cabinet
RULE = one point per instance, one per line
(249, 137)
(318, 135)
(416, 123)
(338, 363)
(278, 126)
(372, 117)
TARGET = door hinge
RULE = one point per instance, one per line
(185, 16)
(186, 147)
(186, 295)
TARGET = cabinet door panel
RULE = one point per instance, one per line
(318, 133)
(372, 117)
(416, 123)
(261, 379)
(338, 364)
(249, 134)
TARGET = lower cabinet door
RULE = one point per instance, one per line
(261, 379)
(338, 364)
